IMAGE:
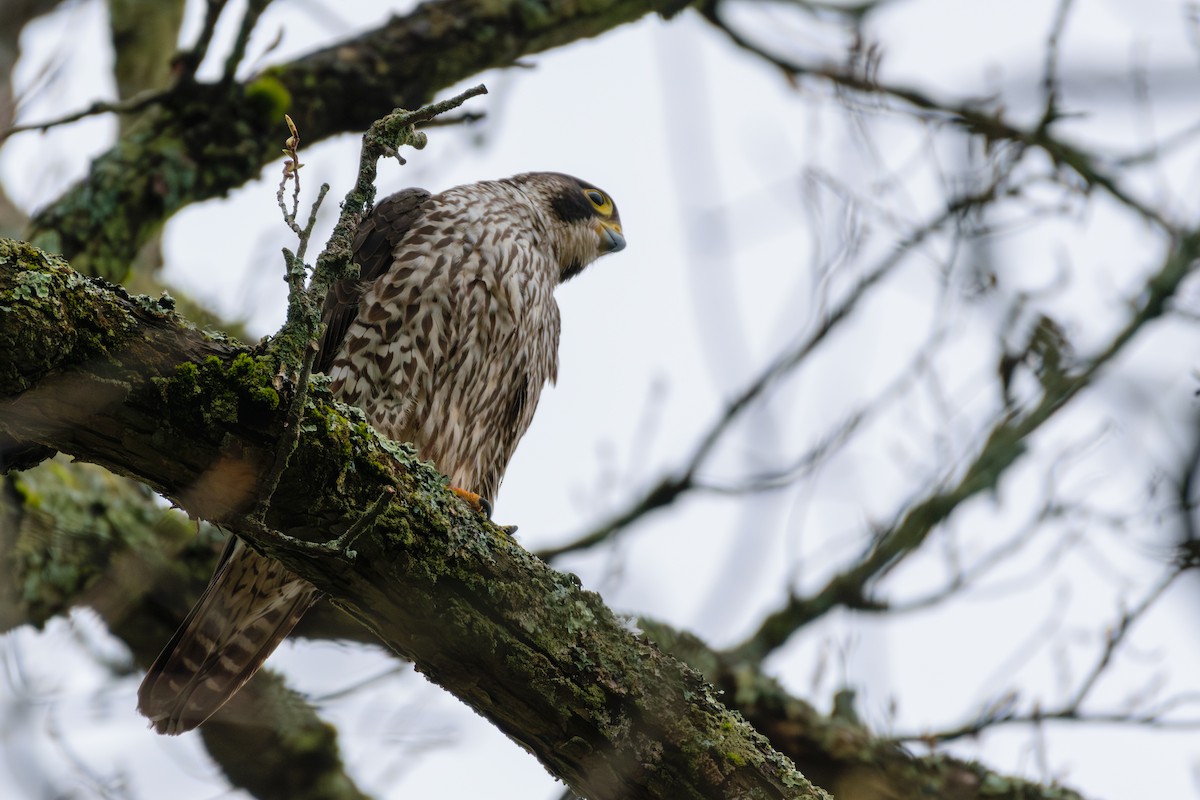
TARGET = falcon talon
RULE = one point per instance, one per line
(476, 501)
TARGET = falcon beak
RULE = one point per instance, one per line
(611, 238)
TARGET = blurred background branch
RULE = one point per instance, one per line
(930, 439)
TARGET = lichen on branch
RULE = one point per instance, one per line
(524, 645)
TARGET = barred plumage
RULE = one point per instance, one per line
(445, 340)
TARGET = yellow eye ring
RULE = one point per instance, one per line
(599, 201)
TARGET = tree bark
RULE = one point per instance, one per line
(73, 534)
(837, 751)
(205, 139)
(155, 566)
(123, 382)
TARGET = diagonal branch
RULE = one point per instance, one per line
(835, 752)
(1003, 446)
(672, 487)
(206, 139)
(838, 751)
(121, 381)
(967, 115)
(76, 535)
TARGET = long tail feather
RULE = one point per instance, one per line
(250, 606)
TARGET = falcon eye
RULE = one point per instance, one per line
(599, 201)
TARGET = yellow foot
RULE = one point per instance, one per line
(481, 505)
(475, 501)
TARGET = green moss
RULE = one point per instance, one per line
(50, 318)
(342, 451)
(75, 519)
(269, 96)
(339, 432)
(534, 14)
(214, 393)
(256, 378)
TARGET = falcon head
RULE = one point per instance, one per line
(582, 219)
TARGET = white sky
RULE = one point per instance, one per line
(725, 179)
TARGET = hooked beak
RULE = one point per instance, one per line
(611, 238)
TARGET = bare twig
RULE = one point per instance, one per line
(968, 115)
(362, 524)
(1116, 635)
(291, 174)
(300, 309)
(188, 61)
(465, 118)
(296, 341)
(133, 105)
(336, 546)
(1171, 143)
(671, 487)
(1004, 711)
(1050, 69)
(254, 10)
(1003, 446)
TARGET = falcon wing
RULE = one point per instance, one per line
(252, 602)
(378, 234)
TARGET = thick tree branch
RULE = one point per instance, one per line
(156, 567)
(74, 534)
(270, 741)
(837, 751)
(122, 382)
(206, 139)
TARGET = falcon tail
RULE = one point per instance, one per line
(249, 607)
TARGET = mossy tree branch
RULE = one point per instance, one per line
(838, 752)
(76, 535)
(143, 587)
(205, 139)
(123, 382)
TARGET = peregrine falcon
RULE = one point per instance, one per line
(444, 340)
